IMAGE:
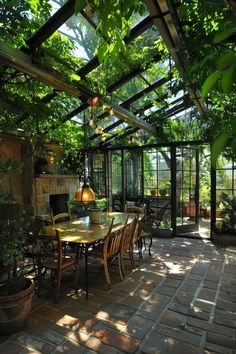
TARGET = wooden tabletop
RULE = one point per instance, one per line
(83, 231)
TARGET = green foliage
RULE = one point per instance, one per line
(228, 224)
(78, 207)
(210, 81)
(15, 226)
(218, 146)
(10, 167)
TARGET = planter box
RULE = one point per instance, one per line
(224, 239)
(157, 232)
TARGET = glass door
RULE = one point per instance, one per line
(187, 190)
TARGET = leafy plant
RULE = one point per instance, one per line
(164, 224)
(15, 226)
(228, 224)
(164, 184)
(77, 206)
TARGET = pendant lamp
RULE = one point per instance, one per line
(85, 194)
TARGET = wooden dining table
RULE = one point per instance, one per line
(82, 232)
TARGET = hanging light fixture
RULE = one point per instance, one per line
(85, 194)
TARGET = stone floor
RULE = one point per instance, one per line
(180, 300)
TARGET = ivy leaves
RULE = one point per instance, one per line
(226, 68)
(114, 23)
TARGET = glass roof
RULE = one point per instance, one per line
(142, 80)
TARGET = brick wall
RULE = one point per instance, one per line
(45, 185)
(29, 190)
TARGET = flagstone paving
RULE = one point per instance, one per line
(182, 299)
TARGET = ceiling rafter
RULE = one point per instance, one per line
(49, 27)
(132, 99)
(114, 86)
(166, 21)
(170, 112)
(141, 27)
(130, 130)
(24, 63)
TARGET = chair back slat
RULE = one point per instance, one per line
(112, 240)
(60, 217)
(128, 235)
(140, 227)
(134, 210)
(50, 247)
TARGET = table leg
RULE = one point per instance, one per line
(86, 269)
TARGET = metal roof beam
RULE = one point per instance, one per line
(130, 130)
(23, 62)
(167, 23)
(111, 88)
(129, 117)
(134, 33)
(130, 100)
(57, 20)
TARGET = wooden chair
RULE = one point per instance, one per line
(134, 210)
(141, 233)
(50, 256)
(109, 249)
(60, 217)
(127, 243)
(30, 245)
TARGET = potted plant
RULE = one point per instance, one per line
(16, 290)
(95, 210)
(163, 187)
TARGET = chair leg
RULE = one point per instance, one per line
(150, 245)
(76, 277)
(58, 285)
(140, 248)
(120, 267)
(122, 264)
(131, 256)
(108, 281)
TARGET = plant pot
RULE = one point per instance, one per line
(224, 239)
(162, 192)
(153, 192)
(164, 233)
(14, 309)
(95, 215)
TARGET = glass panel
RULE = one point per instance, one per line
(99, 182)
(130, 88)
(132, 172)
(116, 173)
(224, 179)
(119, 69)
(79, 37)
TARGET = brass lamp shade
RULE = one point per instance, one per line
(85, 194)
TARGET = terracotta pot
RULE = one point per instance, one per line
(162, 192)
(14, 309)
